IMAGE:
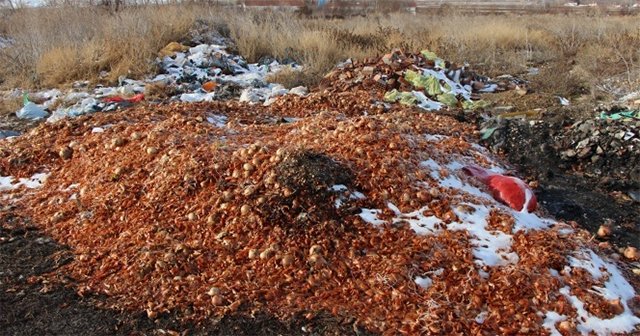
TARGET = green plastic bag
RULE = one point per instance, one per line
(487, 132)
(392, 96)
(417, 80)
(429, 55)
(621, 115)
(25, 99)
(410, 75)
(472, 105)
(407, 98)
(448, 99)
(433, 87)
(430, 84)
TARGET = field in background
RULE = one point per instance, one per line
(52, 47)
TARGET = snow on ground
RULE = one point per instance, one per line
(8, 183)
(493, 248)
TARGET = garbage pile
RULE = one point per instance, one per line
(201, 210)
(394, 82)
(421, 79)
(205, 72)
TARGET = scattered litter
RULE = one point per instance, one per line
(4, 134)
(564, 101)
(418, 79)
(205, 72)
(31, 111)
(621, 115)
(299, 91)
(118, 99)
(85, 106)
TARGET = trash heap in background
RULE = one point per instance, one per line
(205, 72)
(423, 79)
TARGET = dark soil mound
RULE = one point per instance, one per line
(589, 170)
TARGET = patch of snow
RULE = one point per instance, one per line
(371, 216)
(550, 320)
(418, 222)
(615, 287)
(491, 248)
(35, 181)
(451, 181)
(341, 189)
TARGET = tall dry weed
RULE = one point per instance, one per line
(52, 46)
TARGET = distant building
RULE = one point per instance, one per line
(332, 6)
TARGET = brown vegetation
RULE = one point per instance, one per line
(53, 46)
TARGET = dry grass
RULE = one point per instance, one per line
(55, 46)
(10, 105)
(292, 78)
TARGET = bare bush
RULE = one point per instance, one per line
(53, 46)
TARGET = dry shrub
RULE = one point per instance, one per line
(10, 105)
(53, 46)
(557, 78)
(290, 78)
(57, 45)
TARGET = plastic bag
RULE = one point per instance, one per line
(407, 98)
(31, 110)
(429, 55)
(472, 105)
(448, 99)
(392, 96)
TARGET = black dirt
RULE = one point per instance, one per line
(579, 181)
(307, 178)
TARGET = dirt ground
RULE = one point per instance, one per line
(34, 308)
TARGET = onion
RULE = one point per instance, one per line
(631, 253)
(287, 260)
(66, 153)
(604, 231)
(217, 300)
